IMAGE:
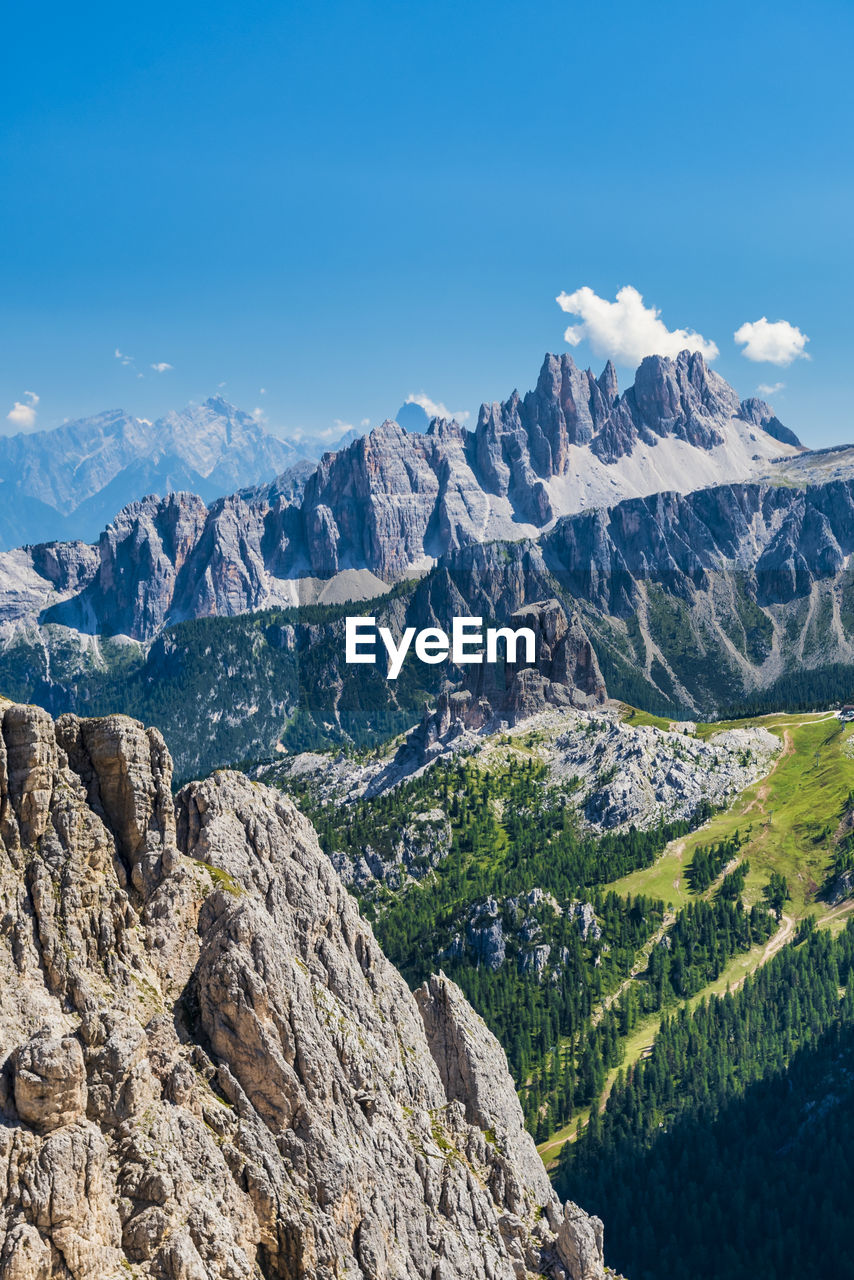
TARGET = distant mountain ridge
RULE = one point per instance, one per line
(390, 504)
(69, 482)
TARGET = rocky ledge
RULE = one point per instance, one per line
(209, 1070)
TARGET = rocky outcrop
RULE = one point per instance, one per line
(209, 1070)
(762, 415)
(564, 673)
(390, 500)
(140, 556)
(516, 928)
(471, 1067)
(612, 774)
(50, 1081)
(522, 444)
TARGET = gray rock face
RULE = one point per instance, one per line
(514, 931)
(209, 1069)
(783, 539)
(564, 674)
(522, 443)
(50, 1082)
(471, 1066)
(391, 499)
(140, 556)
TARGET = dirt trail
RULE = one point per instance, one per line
(775, 944)
(758, 802)
(844, 909)
(641, 962)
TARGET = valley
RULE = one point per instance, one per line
(452, 875)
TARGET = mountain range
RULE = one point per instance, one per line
(69, 482)
(391, 503)
(216, 1065)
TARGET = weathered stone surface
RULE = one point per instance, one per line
(50, 1082)
(213, 1072)
(580, 1243)
(472, 1068)
(564, 674)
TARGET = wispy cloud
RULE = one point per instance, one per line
(325, 434)
(436, 409)
(161, 366)
(766, 389)
(23, 413)
(771, 342)
(260, 416)
(625, 330)
(128, 362)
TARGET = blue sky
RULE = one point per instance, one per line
(348, 203)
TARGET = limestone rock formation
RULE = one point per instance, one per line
(564, 674)
(209, 1070)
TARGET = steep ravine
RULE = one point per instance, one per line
(209, 1069)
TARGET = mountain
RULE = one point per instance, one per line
(391, 503)
(730, 600)
(210, 1069)
(162, 561)
(67, 483)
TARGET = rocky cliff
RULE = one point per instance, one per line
(563, 674)
(209, 1069)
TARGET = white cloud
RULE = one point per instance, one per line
(435, 408)
(262, 391)
(23, 414)
(626, 330)
(162, 366)
(365, 422)
(766, 389)
(774, 342)
(120, 355)
(325, 434)
(260, 416)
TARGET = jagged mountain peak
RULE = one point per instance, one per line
(86, 470)
(391, 503)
